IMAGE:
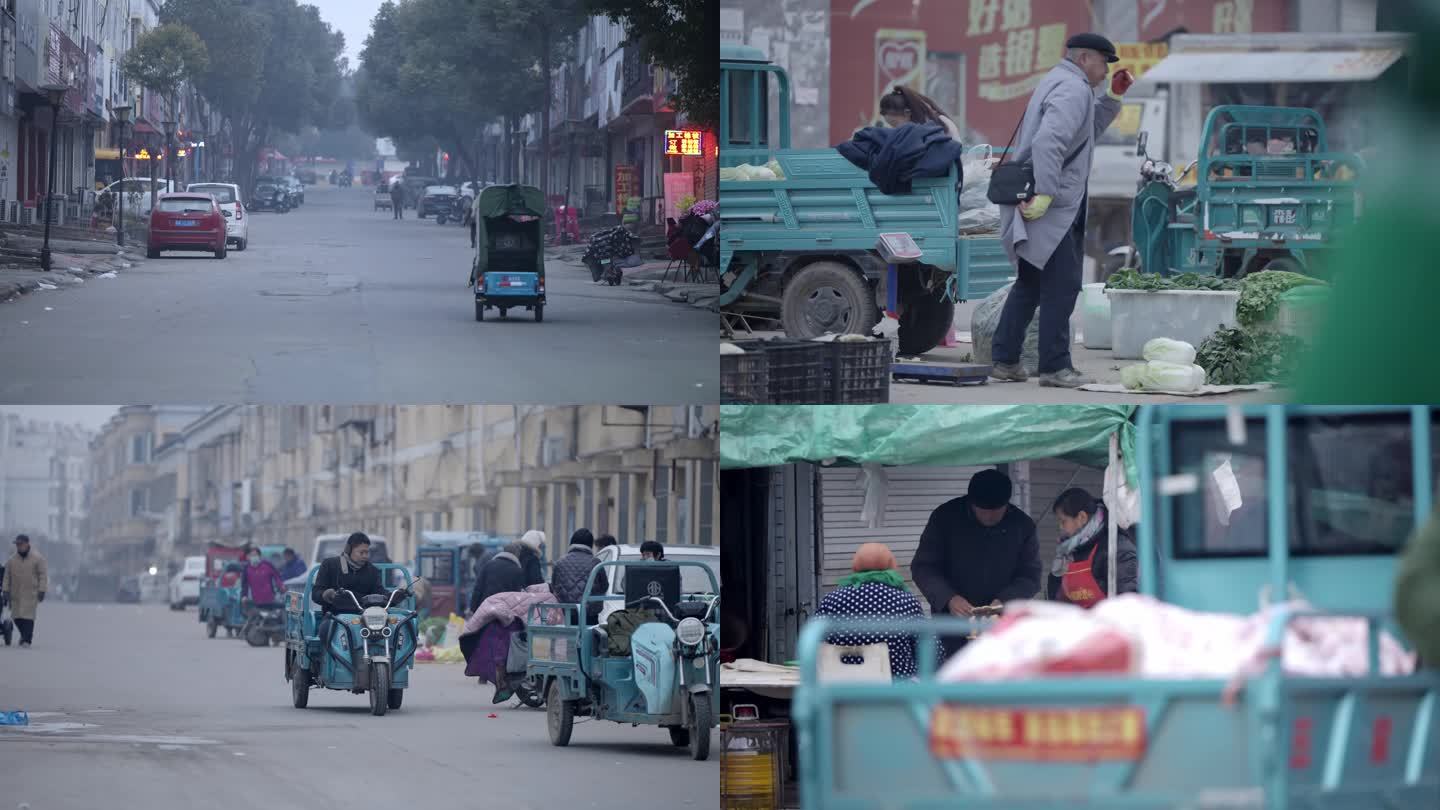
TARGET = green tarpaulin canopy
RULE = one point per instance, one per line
(504, 201)
(952, 435)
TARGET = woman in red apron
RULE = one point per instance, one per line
(1080, 571)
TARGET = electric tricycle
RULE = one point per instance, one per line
(219, 604)
(654, 663)
(508, 271)
(1234, 505)
(368, 647)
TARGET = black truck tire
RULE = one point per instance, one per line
(827, 297)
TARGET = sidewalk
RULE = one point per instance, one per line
(72, 262)
(647, 277)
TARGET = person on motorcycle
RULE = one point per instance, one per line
(261, 581)
(349, 571)
(652, 551)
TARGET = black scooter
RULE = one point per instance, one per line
(264, 625)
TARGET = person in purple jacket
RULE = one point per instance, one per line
(260, 580)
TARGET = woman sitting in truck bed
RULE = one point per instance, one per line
(876, 591)
(906, 106)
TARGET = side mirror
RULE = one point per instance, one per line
(1140, 143)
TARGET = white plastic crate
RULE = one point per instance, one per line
(1138, 316)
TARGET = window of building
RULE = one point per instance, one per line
(707, 504)
(141, 445)
(139, 502)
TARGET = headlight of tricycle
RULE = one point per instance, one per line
(375, 618)
(690, 631)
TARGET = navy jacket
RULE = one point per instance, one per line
(894, 157)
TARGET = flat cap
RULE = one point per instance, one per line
(1094, 42)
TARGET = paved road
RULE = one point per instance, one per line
(338, 303)
(133, 707)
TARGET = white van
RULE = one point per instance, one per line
(692, 580)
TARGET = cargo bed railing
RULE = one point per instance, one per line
(1110, 742)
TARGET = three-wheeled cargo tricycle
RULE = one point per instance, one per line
(1234, 504)
(382, 197)
(222, 601)
(1269, 195)
(655, 663)
(443, 562)
(508, 271)
(368, 647)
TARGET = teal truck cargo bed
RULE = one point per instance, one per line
(808, 243)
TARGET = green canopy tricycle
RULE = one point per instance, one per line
(509, 266)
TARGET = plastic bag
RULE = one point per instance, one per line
(986, 320)
(1166, 350)
(774, 167)
(1157, 375)
(977, 213)
(979, 220)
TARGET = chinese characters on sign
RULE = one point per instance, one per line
(684, 142)
(1065, 735)
(899, 59)
(625, 186)
(1138, 57)
(1021, 56)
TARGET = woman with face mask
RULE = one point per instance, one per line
(261, 580)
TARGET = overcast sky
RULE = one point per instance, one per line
(91, 416)
(351, 18)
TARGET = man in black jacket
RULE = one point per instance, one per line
(977, 550)
(573, 570)
(350, 571)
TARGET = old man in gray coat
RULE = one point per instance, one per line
(1045, 235)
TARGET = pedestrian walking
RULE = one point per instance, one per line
(24, 586)
(1045, 235)
(397, 200)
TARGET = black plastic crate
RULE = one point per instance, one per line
(745, 378)
(857, 373)
(796, 370)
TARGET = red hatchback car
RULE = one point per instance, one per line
(184, 221)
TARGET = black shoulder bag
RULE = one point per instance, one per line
(1014, 183)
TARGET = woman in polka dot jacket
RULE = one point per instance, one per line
(876, 591)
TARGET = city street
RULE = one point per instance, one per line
(337, 302)
(131, 706)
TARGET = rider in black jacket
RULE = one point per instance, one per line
(350, 571)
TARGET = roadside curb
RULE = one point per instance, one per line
(70, 270)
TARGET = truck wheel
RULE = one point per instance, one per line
(559, 716)
(379, 689)
(256, 636)
(679, 736)
(827, 297)
(700, 722)
(925, 322)
(397, 696)
(299, 685)
(479, 311)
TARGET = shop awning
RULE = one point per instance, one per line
(1230, 67)
(767, 435)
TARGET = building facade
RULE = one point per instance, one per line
(44, 480)
(285, 475)
(124, 523)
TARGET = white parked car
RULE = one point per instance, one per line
(692, 579)
(137, 193)
(237, 224)
(185, 585)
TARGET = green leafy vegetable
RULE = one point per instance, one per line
(1132, 279)
(1237, 356)
(1260, 294)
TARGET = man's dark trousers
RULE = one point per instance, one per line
(1052, 289)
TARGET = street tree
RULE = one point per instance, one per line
(545, 31)
(161, 61)
(275, 67)
(679, 36)
(432, 75)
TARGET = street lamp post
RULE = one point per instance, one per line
(169, 143)
(55, 94)
(122, 118)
